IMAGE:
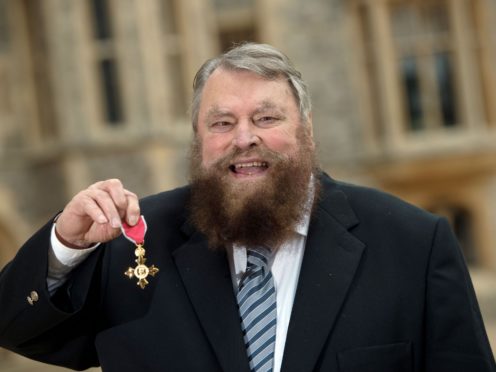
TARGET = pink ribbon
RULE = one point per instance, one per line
(136, 233)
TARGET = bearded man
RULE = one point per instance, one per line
(263, 263)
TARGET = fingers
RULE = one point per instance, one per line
(95, 214)
(133, 209)
(100, 206)
(109, 202)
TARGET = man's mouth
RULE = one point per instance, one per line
(249, 168)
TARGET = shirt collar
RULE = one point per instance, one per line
(302, 226)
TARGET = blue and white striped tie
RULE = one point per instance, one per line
(257, 309)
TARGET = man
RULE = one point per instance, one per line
(265, 263)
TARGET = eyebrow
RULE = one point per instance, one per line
(269, 105)
(216, 111)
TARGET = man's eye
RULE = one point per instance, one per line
(220, 126)
(266, 120)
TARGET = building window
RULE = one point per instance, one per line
(174, 57)
(5, 105)
(423, 41)
(41, 73)
(107, 63)
(482, 46)
(230, 37)
(4, 27)
(236, 22)
(425, 63)
(101, 19)
(110, 88)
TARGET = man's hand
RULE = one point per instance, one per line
(94, 215)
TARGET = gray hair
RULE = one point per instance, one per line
(262, 59)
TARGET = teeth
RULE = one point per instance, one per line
(252, 164)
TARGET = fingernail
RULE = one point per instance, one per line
(133, 220)
(102, 219)
(116, 223)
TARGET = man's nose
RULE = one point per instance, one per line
(245, 136)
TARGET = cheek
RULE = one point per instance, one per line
(284, 142)
(207, 153)
(212, 150)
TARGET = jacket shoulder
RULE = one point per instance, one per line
(372, 204)
(166, 205)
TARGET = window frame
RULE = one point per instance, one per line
(381, 91)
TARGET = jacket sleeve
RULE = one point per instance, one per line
(59, 329)
(455, 336)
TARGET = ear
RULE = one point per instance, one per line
(310, 130)
(309, 125)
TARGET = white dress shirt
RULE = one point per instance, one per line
(285, 266)
(62, 260)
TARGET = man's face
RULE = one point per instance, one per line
(242, 111)
(250, 161)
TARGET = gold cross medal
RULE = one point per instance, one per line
(136, 235)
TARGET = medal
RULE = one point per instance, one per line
(136, 235)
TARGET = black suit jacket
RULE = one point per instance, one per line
(383, 287)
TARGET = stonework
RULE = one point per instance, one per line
(55, 140)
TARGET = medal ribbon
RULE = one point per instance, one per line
(136, 233)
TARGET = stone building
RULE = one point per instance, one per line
(404, 95)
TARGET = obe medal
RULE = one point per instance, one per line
(136, 235)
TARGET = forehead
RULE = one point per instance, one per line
(225, 87)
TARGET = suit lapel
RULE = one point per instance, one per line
(206, 277)
(332, 256)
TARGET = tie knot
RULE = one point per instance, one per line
(257, 258)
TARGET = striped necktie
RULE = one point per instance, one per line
(257, 310)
